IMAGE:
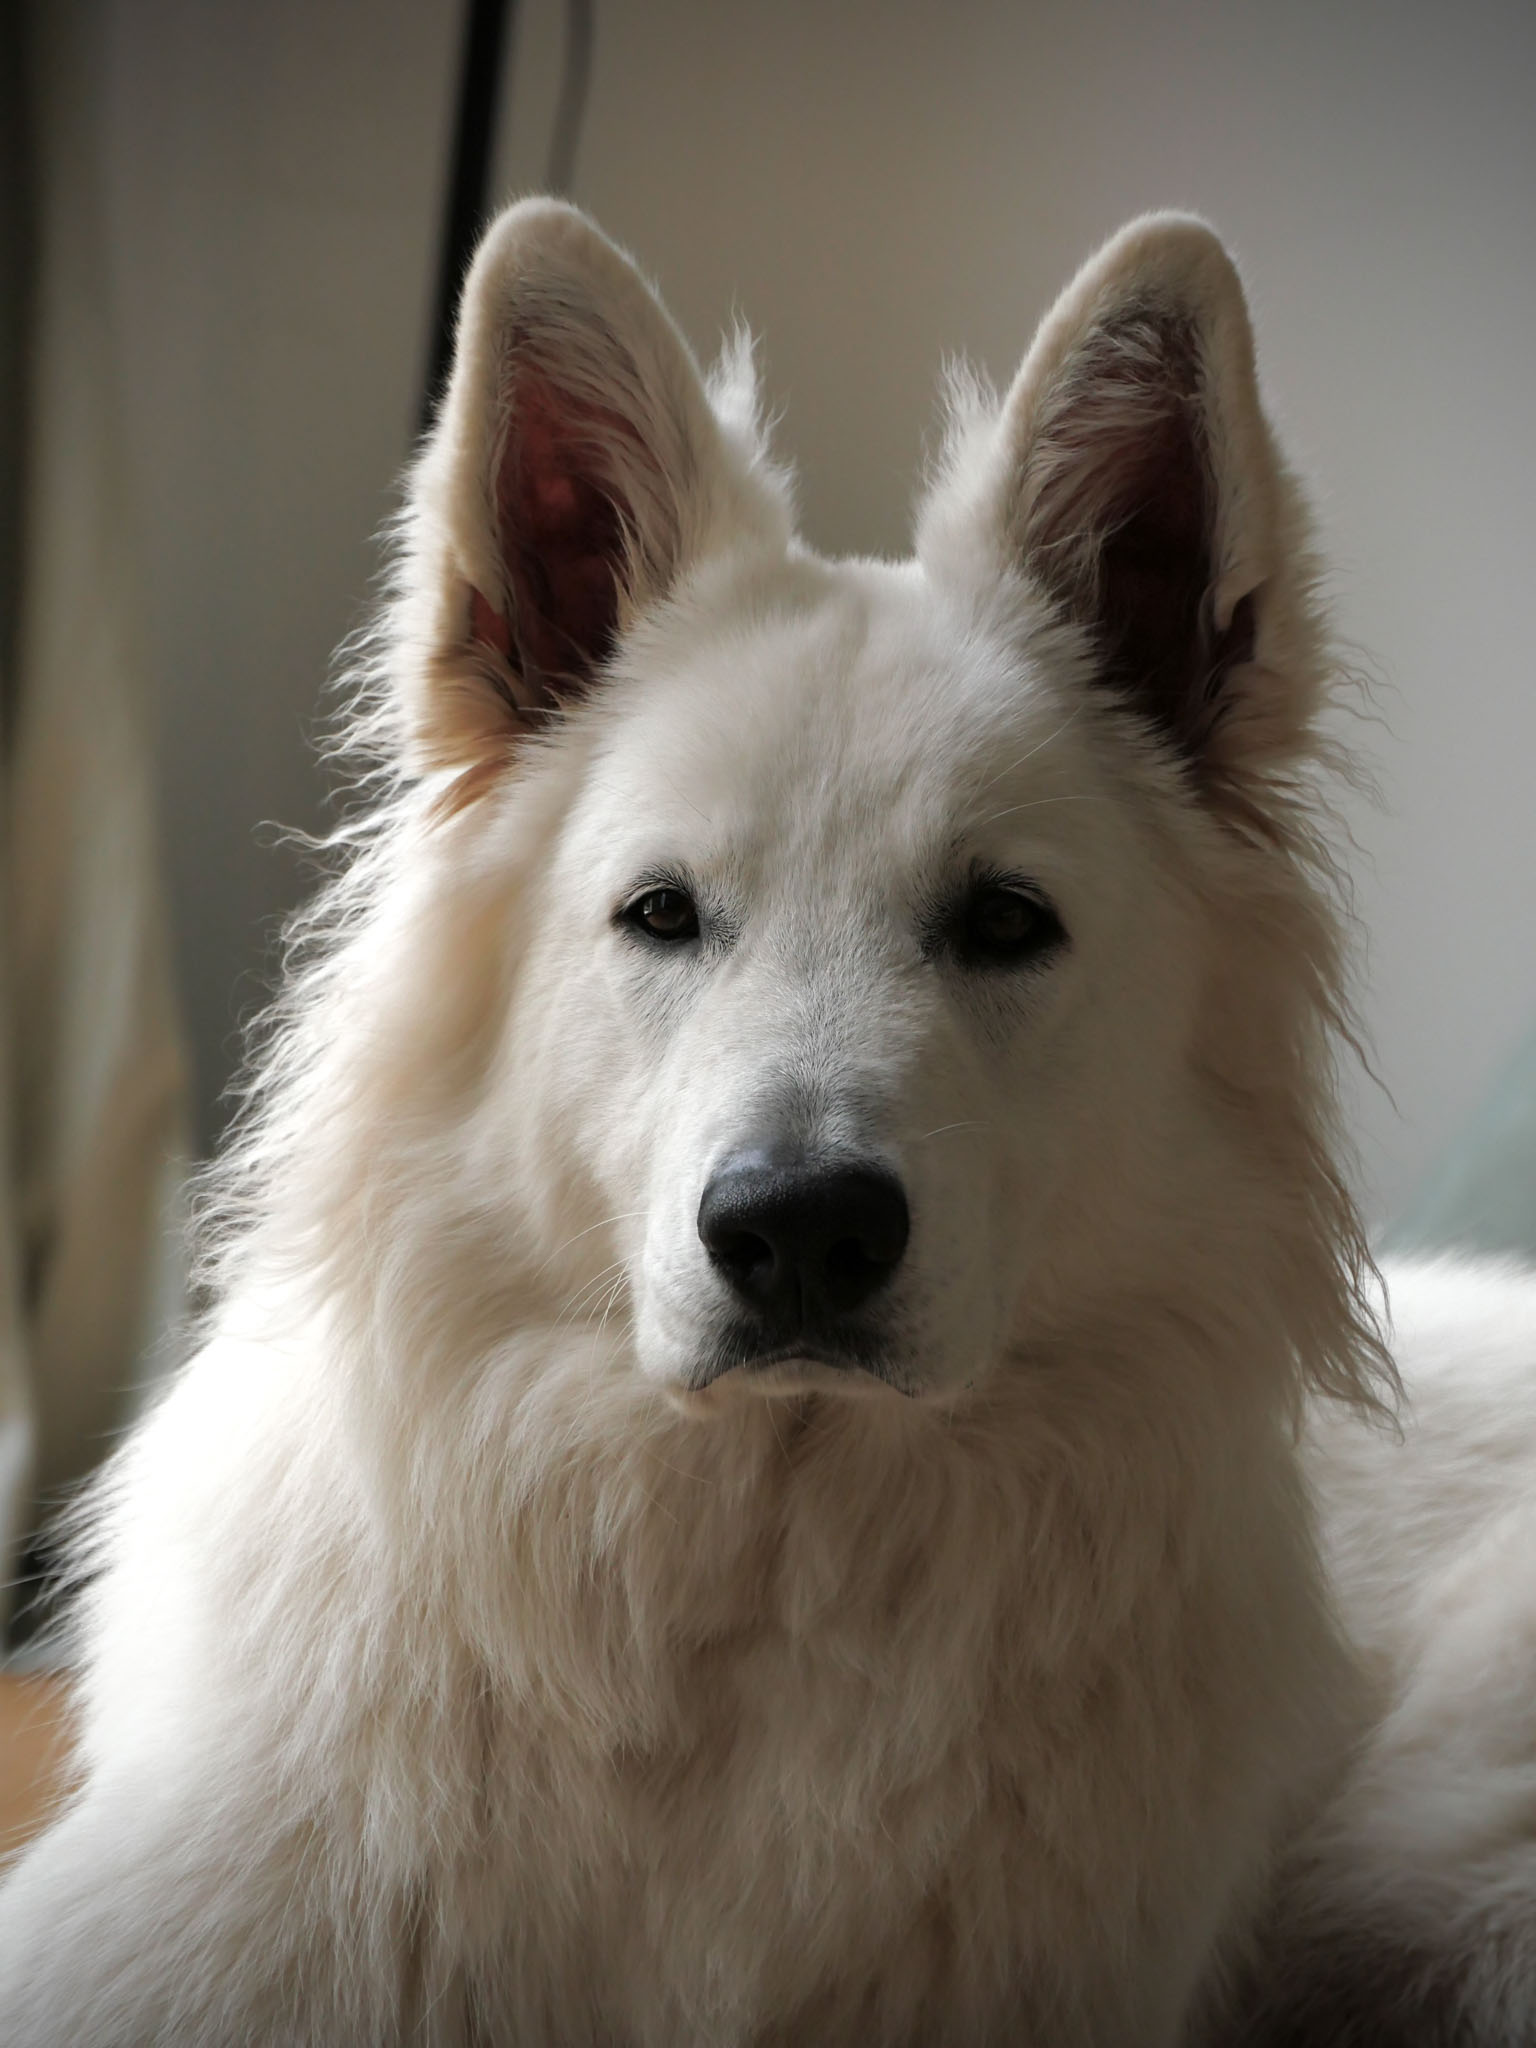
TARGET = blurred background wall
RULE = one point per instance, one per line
(873, 187)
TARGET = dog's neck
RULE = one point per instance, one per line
(603, 1542)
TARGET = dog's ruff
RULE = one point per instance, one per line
(550, 1609)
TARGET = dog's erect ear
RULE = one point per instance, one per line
(577, 468)
(1131, 475)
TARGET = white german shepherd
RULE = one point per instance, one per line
(747, 1481)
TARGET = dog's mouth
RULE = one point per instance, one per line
(852, 1365)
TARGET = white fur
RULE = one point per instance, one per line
(460, 1666)
(1419, 1880)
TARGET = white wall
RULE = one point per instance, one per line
(277, 171)
(874, 186)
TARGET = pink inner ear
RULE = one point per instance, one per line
(1122, 520)
(562, 535)
(488, 625)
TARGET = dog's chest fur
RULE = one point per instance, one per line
(876, 1732)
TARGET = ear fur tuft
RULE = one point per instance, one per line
(1130, 477)
(577, 471)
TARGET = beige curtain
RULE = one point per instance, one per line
(95, 1136)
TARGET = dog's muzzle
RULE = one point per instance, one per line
(805, 1244)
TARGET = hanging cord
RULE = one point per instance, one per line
(575, 77)
(474, 140)
(489, 25)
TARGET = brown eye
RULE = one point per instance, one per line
(666, 914)
(1003, 926)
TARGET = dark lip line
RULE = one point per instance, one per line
(810, 1355)
(835, 1361)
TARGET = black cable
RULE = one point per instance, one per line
(575, 77)
(20, 180)
(474, 140)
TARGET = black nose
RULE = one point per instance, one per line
(801, 1239)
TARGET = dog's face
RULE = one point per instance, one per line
(863, 980)
(857, 949)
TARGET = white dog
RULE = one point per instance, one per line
(745, 1482)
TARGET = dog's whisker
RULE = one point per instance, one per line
(773, 1424)
(589, 1291)
(1038, 748)
(614, 1296)
(584, 1301)
(681, 1472)
(603, 1223)
(1037, 803)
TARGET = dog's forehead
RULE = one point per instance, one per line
(852, 700)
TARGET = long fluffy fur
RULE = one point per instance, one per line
(447, 1677)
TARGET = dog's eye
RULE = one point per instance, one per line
(664, 913)
(1001, 926)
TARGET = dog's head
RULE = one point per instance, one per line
(878, 971)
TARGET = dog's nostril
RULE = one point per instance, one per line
(801, 1238)
(741, 1252)
(849, 1261)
